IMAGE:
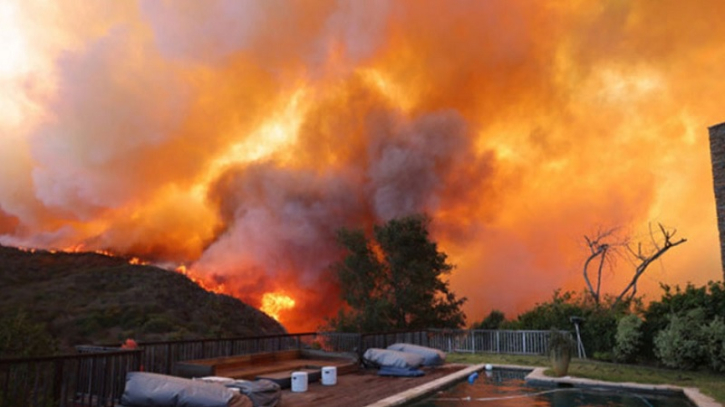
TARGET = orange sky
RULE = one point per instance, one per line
(235, 137)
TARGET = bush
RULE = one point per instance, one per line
(628, 338)
(680, 344)
(22, 337)
(603, 356)
(597, 331)
(713, 336)
(158, 324)
(492, 321)
(709, 298)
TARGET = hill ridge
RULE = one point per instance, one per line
(85, 298)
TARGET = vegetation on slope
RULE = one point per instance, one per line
(82, 298)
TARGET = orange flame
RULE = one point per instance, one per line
(137, 261)
(274, 303)
(201, 281)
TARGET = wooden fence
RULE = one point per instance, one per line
(87, 380)
(96, 375)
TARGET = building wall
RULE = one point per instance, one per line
(717, 151)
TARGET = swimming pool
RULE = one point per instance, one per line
(507, 388)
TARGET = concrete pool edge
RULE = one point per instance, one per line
(537, 377)
(426, 389)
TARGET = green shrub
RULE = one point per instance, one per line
(713, 336)
(158, 324)
(599, 330)
(20, 336)
(628, 338)
(710, 298)
(492, 321)
(599, 325)
(680, 344)
(603, 356)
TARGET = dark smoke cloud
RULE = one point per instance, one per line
(284, 220)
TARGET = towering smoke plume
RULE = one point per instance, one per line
(235, 137)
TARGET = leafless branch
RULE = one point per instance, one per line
(645, 259)
(598, 247)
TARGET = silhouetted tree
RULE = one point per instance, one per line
(492, 321)
(395, 280)
(604, 243)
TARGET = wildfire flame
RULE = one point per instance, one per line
(273, 304)
(201, 281)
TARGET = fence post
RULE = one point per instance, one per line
(168, 358)
(523, 335)
(360, 346)
(57, 381)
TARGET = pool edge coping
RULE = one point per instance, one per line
(692, 393)
(537, 375)
(426, 388)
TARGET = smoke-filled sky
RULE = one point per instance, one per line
(235, 137)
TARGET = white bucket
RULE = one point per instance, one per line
(329, 375)
(299, 382)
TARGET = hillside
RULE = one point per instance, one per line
(82, 298)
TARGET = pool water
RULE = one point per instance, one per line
(507, 388)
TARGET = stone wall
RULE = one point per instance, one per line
(717, 151)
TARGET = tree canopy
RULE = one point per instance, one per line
(394, 280)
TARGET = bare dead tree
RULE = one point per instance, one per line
(604, 244)
(598, 248)
(645, 258)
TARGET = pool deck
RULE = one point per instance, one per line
(366, 388)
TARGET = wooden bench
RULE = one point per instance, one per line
(277, 366)
(284, 378)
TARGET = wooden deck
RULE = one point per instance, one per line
(361, 388)
(273, 365)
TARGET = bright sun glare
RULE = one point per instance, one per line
(13, 55)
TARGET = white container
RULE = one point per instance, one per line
(329, 375)
(299, 382)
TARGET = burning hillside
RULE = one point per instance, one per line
(236, 137)
(83, 298)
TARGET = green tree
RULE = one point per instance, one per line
(395, 280)
(492, 321)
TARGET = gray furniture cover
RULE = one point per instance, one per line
(431, 356)
(392, 358)
(263, 393)
(145, 389)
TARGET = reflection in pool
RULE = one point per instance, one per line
(507, 388)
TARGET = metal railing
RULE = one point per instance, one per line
(160, 357)
(518, 342)
(96, 375)
(467, 341)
